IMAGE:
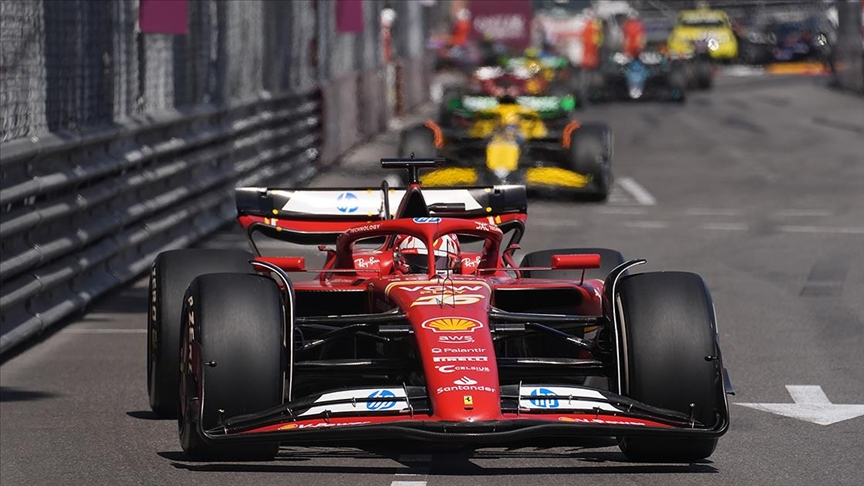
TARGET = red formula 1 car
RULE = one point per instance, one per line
(457, 344)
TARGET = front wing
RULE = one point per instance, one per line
(403, 413)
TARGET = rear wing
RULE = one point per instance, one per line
(321, 215)
(546, 106)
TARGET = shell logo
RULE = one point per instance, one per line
(288, 427)
(452, 324)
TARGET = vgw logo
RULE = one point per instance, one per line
(382, 404)
(347, 202)
(543, 402)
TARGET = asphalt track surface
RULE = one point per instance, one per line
(757, 185)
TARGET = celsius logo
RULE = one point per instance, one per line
(543, 402)
(383, 404)
(464, 381)
(455, 368)
(347, 202)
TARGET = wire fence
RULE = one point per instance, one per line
(79, 65)
(118, 144)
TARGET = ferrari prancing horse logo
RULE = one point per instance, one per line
(452, 324)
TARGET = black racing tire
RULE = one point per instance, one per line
(678, 85)
(609, 259)
(236, 324)
(419, 140)
(704, 74)
(670, 358)
(591, 155)
(592, 85)
(452, 95)
(171, 273)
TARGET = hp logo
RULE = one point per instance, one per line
(543, 402)
(347, 202)
(381, 405)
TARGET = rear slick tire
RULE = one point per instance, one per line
(671, 359)
(235, 324)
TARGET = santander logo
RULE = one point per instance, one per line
(464, 381)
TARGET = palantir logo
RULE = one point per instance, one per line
(382, 404)
(543, 402)
(347, 202)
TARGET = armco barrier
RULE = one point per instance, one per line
(81, 215)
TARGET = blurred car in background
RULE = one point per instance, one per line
(652, 75)
(541, 83)
(508, 141)
(785, 36)
(699, 69)
(707, 27)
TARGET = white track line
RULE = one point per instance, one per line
(646, 224)
(627, 211)
(711, 212)
(555, 224)
(804, 212)
(725, 226)
(418, 475)
(842, 230)
(105, 331)
(639, 193)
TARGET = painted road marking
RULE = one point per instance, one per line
(104, 331)
(839, 230)
(639, 193)
(627, 211)
(725, 226)
(646, 224)
(714, 226)
(811, 405)
(711, 212)
(555, 224)
(419, 474)
(804, 212)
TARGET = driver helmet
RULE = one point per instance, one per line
(414, 254)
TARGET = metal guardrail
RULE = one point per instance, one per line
(80, 215)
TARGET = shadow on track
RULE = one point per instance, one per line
(8, 394)
(145, 415)
(466, 461)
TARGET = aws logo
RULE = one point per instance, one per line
(452, 324)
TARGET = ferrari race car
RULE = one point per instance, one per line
(524, 140)
(420, 326)
(650, 76)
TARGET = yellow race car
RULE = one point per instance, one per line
(703, 30)
(507, 142)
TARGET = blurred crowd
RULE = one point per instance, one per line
(590, 33)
